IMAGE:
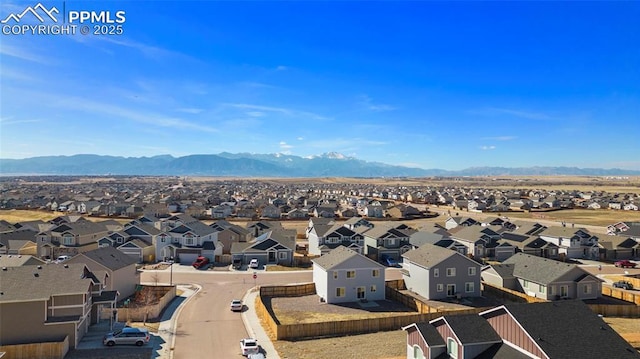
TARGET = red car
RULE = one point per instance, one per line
(625, 263)
(200, 262)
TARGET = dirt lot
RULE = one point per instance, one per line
(628, 328)
(309, 309)
(381, 345)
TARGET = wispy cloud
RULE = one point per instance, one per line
(118, 112)
(487, 148)
(281, 110)
(22, 53)
(193, 111)
(529, 115)
(285, 148)
(9, 121)
(281, 68)
(300, 138)
(255, 113)
(367, 102)
(499, 138)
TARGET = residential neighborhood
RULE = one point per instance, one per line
(415, 256)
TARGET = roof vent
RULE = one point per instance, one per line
(4, 269)
(36, 274)
(39, 267)
(66, 266)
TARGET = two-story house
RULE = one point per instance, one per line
(383, 240)
(323, 238)
(73, 238)
(572, 242)
(344, 275)
(49, 303)
(438, 273)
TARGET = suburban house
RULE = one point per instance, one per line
(325, 237)
(19, 242)
(453, 222)
(618, 247)
(530, 245)
(543, 278)
(483, 242)
(49, 303)
(135, 240)
(12, 260)
(185, 238)
(434, 272)
(227, 234)
(272, 247)
(383, 240)
(344, 275)
(73, 238)
(122, 275)
(572, 242)
(519, 331)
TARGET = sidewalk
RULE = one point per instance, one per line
(253, 326)
(167, 328)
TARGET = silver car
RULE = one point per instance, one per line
(132, 336)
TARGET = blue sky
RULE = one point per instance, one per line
(427, 84)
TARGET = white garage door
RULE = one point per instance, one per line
(187, 258)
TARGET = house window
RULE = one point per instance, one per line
(452, 348)
(67, 240)
(436, 272)
(373, 289)
(190, 241)
(375, 273)
(340, 292)
(564, 291)
(162, 239)
(540, 288)
(451, 272)
(472, 270)
(440, 287)
(335, 274)
(587, 289)
(120, 240)
(417, 352)
(351, 274)
(282, 255)
(551, 291)
(525, 284)
(469, 287)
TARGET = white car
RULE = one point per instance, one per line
(254, 263)
(236, 305)
(249, 346)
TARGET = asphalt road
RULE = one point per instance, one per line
(206, 326)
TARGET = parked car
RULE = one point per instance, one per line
(61, 259)
(623, 284)
(237, 263)
(625, 263)
(388, 261)
(249, 346)
(200, 262)
(254, 263)
(236, 305)
(127, 335)
(256, 356)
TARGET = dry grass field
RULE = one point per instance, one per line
(628, 328)
(381, 345)
(18, 215)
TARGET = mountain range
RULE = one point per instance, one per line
(330, 164)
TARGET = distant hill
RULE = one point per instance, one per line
(261, 165)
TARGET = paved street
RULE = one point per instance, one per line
(206, 324)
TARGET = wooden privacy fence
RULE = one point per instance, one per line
(511, 295)
(48, 350)
(359, 326)
(141, 312)
(616, 310)
(621, 294)
(296, 290)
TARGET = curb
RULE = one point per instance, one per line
(176, 314)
